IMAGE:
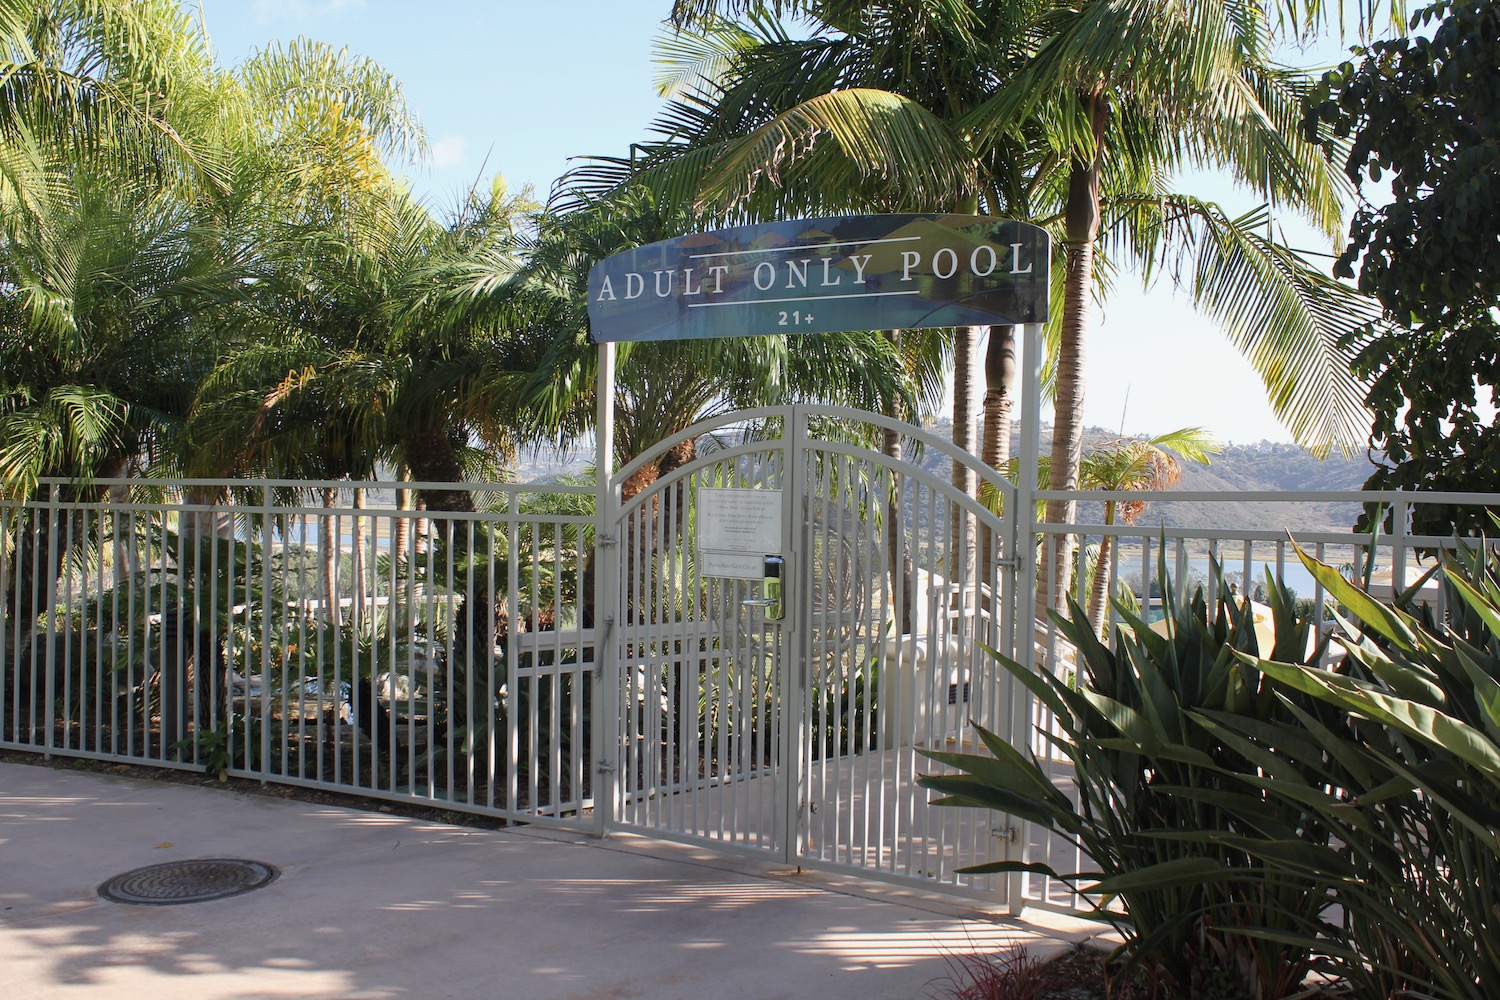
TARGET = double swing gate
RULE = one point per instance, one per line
(802, 607)
(749, 644)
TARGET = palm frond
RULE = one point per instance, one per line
(1291, 321)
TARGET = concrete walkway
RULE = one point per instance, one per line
(370, 905)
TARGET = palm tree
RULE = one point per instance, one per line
(1073, 116)
(101, 352)
(1132, 465)
(360, 364)
(1140, 87)
(742, 92)
(118, 85)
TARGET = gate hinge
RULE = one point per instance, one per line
(1009, 834)
(605, 768)
(1009, 562)
(608, 538)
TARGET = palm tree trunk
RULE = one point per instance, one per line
(431, 457)
(999, 402)
(328, 561)
(358, 568)
(901, 570)
(1081, 225)
(401, 533)
(963, 546)
(1099, 589)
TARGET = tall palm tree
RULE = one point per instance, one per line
(742, 91)
(1141, 87)
(1036, 110)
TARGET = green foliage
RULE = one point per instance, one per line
(1260, 816)
(1420, 113)
(1407, 775)
(987, 107)
(1196, 905)
(232, 745)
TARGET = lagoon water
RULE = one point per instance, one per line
(1293, 573)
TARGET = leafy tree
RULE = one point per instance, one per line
(137, 183)
(99, 167)
(1421, 111)
(358, 363)
(115, 84)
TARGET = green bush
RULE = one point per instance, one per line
(1258, 816)
(1200, 914)
(1408, 779)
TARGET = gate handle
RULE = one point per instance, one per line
(771, 604)
(771, 588)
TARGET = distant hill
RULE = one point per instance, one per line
(1266, 466)
(1262, 467)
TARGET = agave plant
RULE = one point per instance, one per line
(1407, 776)
(1198, 912)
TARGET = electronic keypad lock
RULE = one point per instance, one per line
(770, 590)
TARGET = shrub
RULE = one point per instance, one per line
(1407, 777)
(1199, 912)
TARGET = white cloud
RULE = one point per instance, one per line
(272, 11)
(448, 151)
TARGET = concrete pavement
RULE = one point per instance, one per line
(371, 906)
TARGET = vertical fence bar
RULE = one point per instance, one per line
(10, 663)
(607, 604)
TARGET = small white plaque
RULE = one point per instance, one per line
(736, 530)
(736, 565)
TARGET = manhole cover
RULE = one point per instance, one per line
(187, 881)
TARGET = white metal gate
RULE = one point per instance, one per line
(799, 737)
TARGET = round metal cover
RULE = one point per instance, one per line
(187, 881)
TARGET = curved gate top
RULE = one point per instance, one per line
(797, 613)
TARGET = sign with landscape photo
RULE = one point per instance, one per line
(865, 272)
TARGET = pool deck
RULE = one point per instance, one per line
(370, 906)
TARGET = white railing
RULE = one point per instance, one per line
(310, 633)
(332, 634)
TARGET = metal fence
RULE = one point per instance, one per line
(309, 633)
(341, 636)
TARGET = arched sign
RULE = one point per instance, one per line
(862, 272)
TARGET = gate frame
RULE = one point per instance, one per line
(606, 579)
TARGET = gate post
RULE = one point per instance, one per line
(1025, 548)
(606, 689)
(1026, 489)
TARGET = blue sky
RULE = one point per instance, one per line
(519, 86)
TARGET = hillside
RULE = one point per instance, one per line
(1265, 466)
(1262, 467)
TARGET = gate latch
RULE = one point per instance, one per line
(770, 590)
